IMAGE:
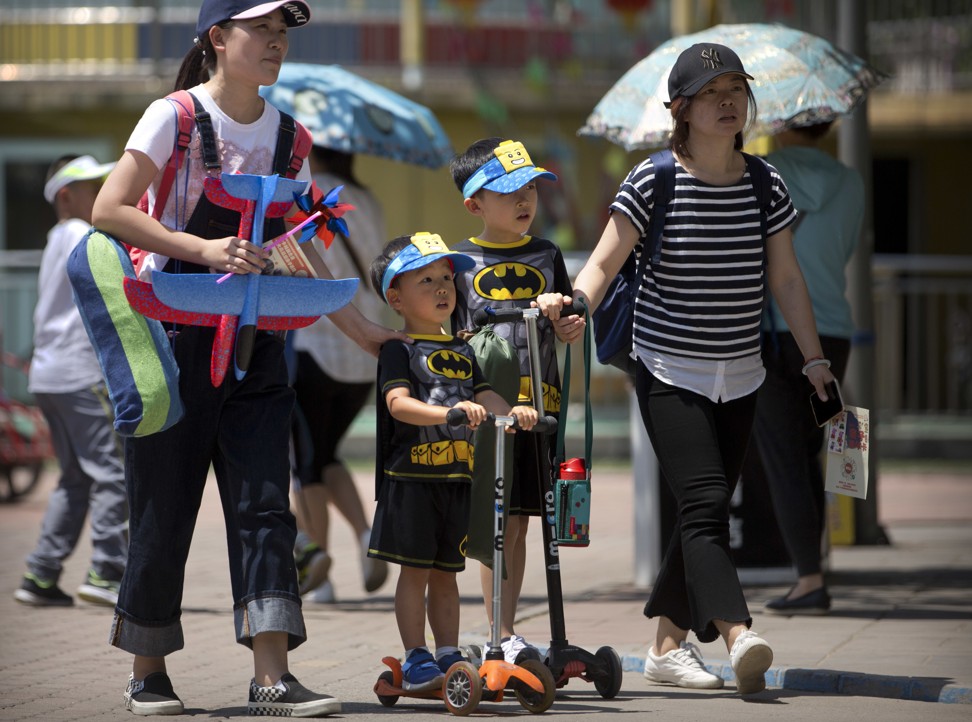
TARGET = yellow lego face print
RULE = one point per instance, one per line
(428, 243)
(512, 155)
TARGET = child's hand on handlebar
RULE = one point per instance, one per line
(475, 414)
(568, 327)
(550, 304)
(526, 417)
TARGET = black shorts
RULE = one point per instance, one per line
(419, 524)
(531, 464)
(323, 414)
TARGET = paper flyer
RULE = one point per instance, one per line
(847, 448)
(288, 259)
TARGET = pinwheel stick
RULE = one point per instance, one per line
(279, 239)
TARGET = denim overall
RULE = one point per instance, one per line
(242, 429)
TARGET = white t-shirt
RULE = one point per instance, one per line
(243, 148)
(64, 360)
(340, 357)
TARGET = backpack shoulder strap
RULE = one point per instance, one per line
(302, 148)
(762, 186)
(293, 144)
(183, 103)
(662, 193)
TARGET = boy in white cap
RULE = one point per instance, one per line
(67, 383)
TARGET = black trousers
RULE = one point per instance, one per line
(789, 443)
(700, 447)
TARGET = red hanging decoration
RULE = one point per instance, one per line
(628, 10)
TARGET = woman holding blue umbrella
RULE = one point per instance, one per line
(696, 338)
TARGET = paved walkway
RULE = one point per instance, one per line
(901, 628)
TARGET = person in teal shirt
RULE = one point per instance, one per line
(829, 198)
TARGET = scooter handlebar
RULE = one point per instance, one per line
(488, 315)
(544, 425)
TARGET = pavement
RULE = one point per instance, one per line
(897, 644)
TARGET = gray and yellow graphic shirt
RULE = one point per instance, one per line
(510, 276)
(437, 370)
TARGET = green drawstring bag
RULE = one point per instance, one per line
(499, 363)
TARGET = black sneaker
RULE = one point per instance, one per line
(313, 565)
(289, 698)
(97, 590)
(152, 696)
(41, 593)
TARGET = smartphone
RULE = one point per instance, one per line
(824, 411)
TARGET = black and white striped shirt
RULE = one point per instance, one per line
(703, 300)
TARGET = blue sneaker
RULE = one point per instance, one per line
(449, 660)
(420, 672)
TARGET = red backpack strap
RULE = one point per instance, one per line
(302, 147)
(182, 102)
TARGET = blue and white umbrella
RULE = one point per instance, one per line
(349, 113)
(800, 79)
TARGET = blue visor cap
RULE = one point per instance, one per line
(510, 170)
(424, 249)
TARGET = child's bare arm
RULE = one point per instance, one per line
(403, 407)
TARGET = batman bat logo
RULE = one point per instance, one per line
(450, 364)
(509, 282)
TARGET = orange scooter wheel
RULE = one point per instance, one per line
(462, 689)
(529, 698)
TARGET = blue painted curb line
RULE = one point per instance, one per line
(832, 681)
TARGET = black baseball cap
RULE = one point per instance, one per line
(214, 12)
(699, 64)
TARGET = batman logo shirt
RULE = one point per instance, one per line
(510, 276)
(450, 364)
(436, 370)
(509, 282)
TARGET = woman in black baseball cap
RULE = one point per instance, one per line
(725, 238)
(694, 70)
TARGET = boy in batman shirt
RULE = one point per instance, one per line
(511, 268)
(424, 465)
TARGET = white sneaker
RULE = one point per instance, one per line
(374, 572)
(750, 657)
(513, 646)
(682, 667)
(324, 594)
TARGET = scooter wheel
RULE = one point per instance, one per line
(527, 653)
(462, 689)
(608, 685)
(473, 654)
(387, 700)
(529, 698)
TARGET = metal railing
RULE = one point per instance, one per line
(923, 327)
(922, 324)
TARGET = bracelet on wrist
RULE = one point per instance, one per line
(814, 362)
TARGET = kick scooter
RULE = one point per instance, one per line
(465, 685)
(565, 660)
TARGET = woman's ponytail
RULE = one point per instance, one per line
(198, 64)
